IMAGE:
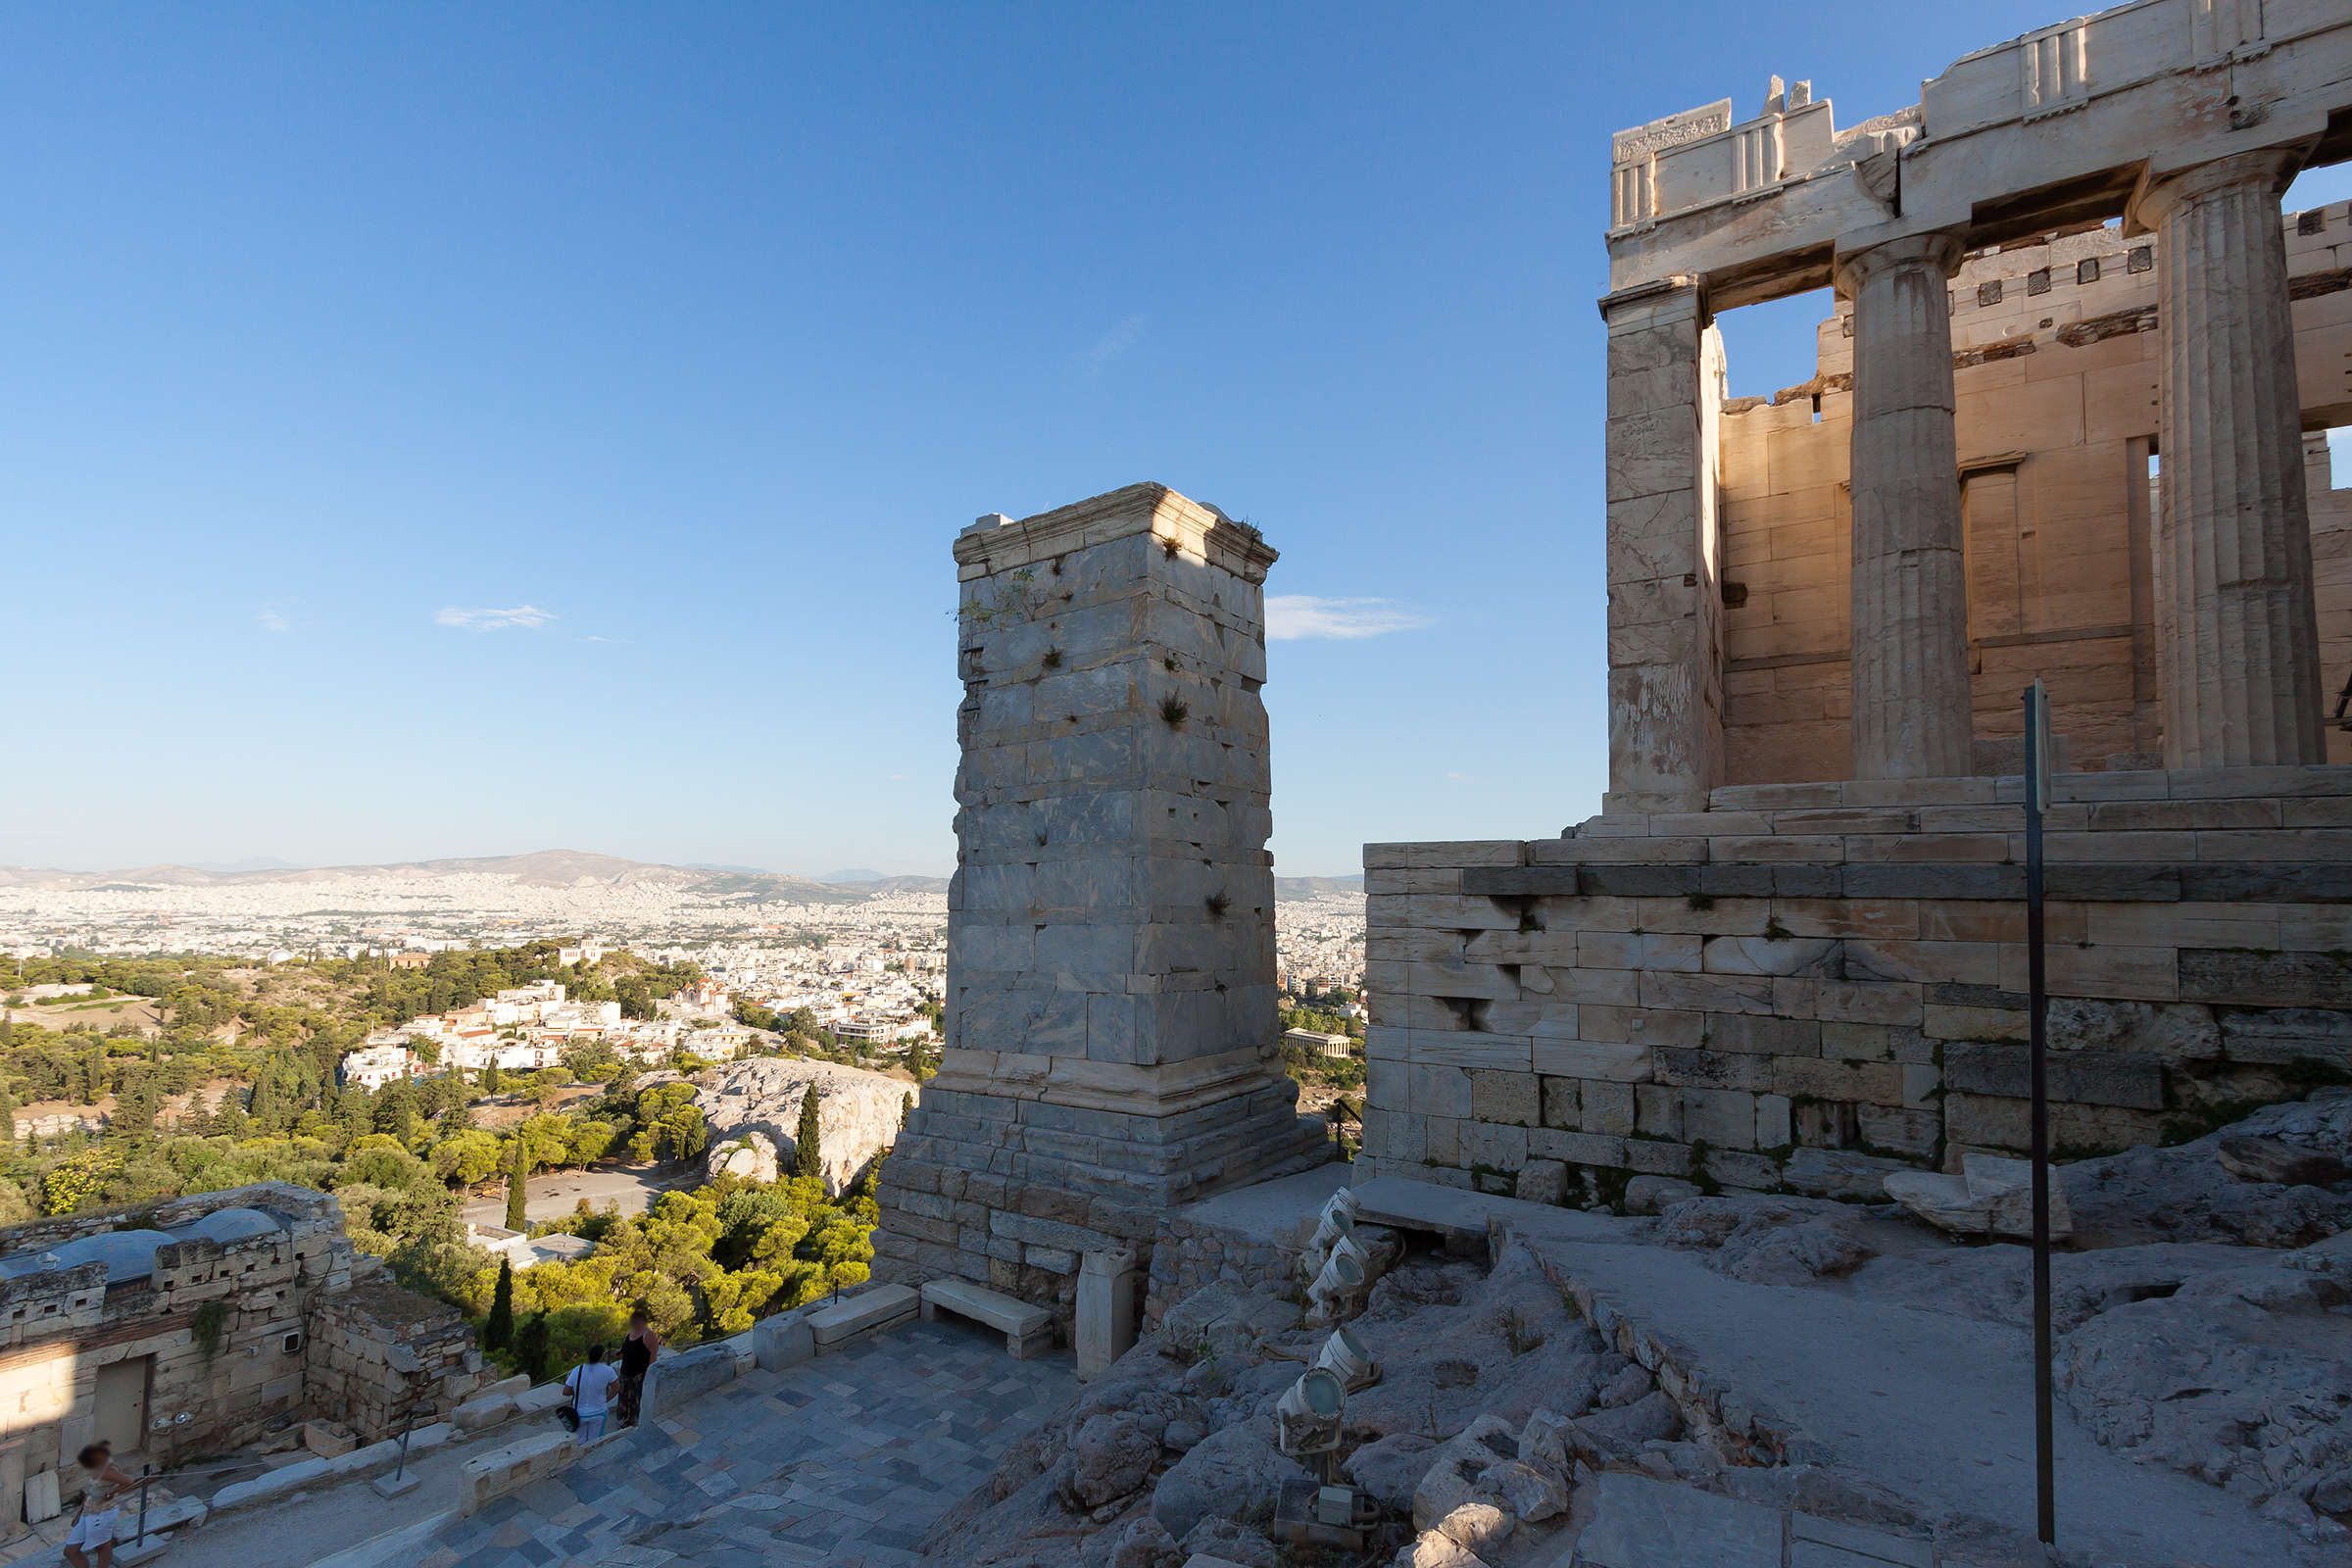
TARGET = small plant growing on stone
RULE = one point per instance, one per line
(1516, 1331)
(1219, 903)
(211, 1319)
(1168, 663)
(1773, 931)
(1172, 710)
(1529, 922)
(1169, 547)
(1051, 659)
(1699, 901)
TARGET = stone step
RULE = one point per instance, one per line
(1027, 1329)
(885, 1306)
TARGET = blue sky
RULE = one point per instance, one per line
(468, 431)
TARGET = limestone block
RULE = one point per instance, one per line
(1574, 1148)
(486, 1411)
(328, 1438)
(275, 1484)
(1105, 1317)
(872, 1311)
(1559, 1103)
(781, 1341)
(1723, 1118)
(2092, 1077)
(1657, 1111)
(1991, 1197)
(1504, 1097)
(1607, 1107)
(489, 1476)
(675, 1380)
(1543, 1181)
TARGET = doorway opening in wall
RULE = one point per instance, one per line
(2339, 457)
(1772, 347)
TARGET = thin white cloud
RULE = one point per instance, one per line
(1292, 617)
(1111, 344)
(273, 620)
(530, 618)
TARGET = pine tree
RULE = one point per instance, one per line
(807, 1159)
(499, 1327)
(519, 1174)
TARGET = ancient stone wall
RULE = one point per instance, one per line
(2055, 351)
(1809, 985)
(376, 1353)
(1186, 1256)
(1112, 1047)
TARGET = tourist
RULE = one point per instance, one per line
(590, 1384)
(90, 1544)
(637, 1353)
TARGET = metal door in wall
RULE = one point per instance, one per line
(120, 1413)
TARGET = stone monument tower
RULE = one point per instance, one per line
(1111, 1047)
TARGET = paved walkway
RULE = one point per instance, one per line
(846, 1460)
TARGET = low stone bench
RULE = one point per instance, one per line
(491, 1475)
(873, 1312)
(1027, 1330)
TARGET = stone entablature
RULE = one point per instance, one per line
(1809, 985)
(2042, 131)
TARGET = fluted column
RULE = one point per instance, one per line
(2237, 633)
(1910, 588)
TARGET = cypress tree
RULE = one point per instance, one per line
(518, 1173)
(8, 1112)
(498, 1328)
(807, 1159)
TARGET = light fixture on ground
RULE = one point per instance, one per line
(1307, 1418)
(1340, 1280)
(1344, 1357)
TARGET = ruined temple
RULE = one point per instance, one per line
(2067, 421)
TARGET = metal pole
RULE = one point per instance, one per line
(2038, 1005)
(146, 1472)
(400, 1466)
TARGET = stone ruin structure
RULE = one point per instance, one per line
(2067, 423)
(1112, 1047)
(190, 1327)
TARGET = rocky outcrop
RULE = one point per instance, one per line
(1991, 1196)
(2228, 1186)
(1769, 1241)
(754, 1111)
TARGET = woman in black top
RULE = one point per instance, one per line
(637, 1353)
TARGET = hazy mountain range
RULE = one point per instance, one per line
(557, 868)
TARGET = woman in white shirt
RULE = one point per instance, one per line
(590, 1384)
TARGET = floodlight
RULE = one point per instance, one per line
(1307, 1418)
(1344, 1357)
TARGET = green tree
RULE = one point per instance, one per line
(519, 1175)
(531, 1346)
(807, 1158)
(499, 1327)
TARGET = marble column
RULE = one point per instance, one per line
(2237, 633)
(1910, 588)
(1665, 603)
